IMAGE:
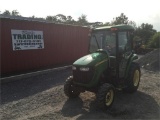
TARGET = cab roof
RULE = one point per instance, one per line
(119, 27)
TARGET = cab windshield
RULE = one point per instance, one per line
(106, 40)
(103, 40)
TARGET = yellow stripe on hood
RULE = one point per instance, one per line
(101, 62)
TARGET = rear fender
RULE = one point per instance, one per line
(134, 57)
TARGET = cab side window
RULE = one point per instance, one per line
(93, 44)
(124, 42)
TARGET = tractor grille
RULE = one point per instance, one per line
(83, 77)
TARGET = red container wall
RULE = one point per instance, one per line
(62, 44)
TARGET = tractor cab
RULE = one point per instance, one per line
(116, 42)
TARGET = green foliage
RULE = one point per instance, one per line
(6, 12)
(60, 18)
(132, 23)
(145, 32)
(154, 42)
(122, 19)
(136, 38)
(51, 18)
(13, 13)
(70, 20)
(82, 20)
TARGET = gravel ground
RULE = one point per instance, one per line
(151, 60)
(41, 97)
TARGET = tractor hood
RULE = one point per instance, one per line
(92, 59)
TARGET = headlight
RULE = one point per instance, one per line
(84, 69)
(74, 68)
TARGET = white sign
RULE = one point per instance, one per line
(27, 39)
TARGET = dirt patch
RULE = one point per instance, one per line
(42, 97)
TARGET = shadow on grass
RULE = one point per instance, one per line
(126, 106)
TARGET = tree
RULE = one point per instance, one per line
(136, 38)
(145, 32)
(70, 20)
(51, 18)
(61, 18)
(122, 19)
(82, 20)
(15, 13)
(33, 16)
(132, 23)
(6, 12)
(154, 42)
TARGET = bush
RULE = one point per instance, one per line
(154, 42)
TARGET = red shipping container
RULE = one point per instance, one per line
(63, 44)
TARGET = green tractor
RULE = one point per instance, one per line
(109, 66)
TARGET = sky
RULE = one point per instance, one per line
(140, 11)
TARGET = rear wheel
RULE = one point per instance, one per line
(105, 96)
(133, 79)
(69, 88)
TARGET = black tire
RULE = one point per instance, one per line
(69, 88)
(105, 96)
(133, 79)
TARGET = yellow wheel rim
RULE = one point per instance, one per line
(109, 97)
(136, 78)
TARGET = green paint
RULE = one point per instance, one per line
(91, 59)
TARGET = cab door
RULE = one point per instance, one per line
(125, 51)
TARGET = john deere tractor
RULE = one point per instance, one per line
(109, 66)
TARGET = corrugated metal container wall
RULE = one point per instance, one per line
(62, 44)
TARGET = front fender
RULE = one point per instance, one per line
(99, 69)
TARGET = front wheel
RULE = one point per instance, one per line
(69, 88)
(133, 79)
(105, 96)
